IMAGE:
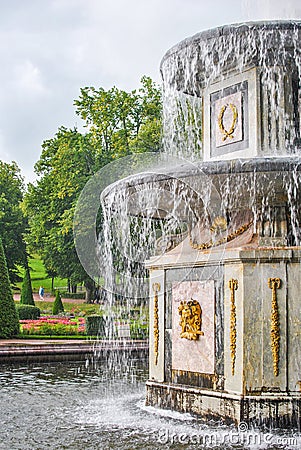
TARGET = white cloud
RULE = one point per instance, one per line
(271, 9)
(28, 79)
(50, 49)
(4, 155)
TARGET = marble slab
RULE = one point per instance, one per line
(194, 355)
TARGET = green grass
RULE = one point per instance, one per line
(78, 309)
(71, 308)
(39, 276)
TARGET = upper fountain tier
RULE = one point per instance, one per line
(234, 92)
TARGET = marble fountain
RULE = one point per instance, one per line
(224, 301)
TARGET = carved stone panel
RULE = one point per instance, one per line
(229, 119)
(193, 339)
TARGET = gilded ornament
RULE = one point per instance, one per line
(227, 133)
(223, 240)
(219, 225)
(233, 285)
(274, 284)
(156, 289)
(191, 319)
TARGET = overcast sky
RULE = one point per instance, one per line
(49, 49)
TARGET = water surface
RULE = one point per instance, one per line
(85, 406)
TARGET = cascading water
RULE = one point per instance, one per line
(189, 68)
(188, 71)
(215, 220)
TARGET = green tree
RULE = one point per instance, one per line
(12, 221)
(9, 322)
(122, 122)
(67, 162)
(58, 306)
(119, 123)
(26, 289)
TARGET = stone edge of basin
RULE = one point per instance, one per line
(11, 350)
(258, 165)
(224, 30)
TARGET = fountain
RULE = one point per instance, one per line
(224, 276)
(225, 315)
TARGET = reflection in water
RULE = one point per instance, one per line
(80, 406)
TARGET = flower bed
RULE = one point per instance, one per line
(52, 326)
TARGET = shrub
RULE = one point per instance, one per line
(28, 312)
(74, 296)
(95, 325)
(58, 306)
(9, 322)
(26, 290)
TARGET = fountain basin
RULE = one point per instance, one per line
(224, 302)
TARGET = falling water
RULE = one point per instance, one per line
(164, 200)
(162, 197)
(189, 68)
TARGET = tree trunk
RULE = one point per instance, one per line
(73, 288)
(90, 289)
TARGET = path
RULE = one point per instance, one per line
(50, 298)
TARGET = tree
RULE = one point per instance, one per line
(58, 306)
(67, 162)
(26, 289)
(9, 322)
(119, 123)
(12, 221)
(122, 122)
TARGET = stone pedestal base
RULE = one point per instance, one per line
(275, 410)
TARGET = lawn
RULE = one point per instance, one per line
(135, 316)
(39, 276)
(77, 309)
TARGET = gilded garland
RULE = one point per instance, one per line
(156, 289)
(219, 225)
(227, 133)
(233, 285)
(274, 284)
(191, 319)
(223, 240)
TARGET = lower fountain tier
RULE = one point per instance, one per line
(276, 410)
(243, 359)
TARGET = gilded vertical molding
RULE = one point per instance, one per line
(233, 285)
(156, 289)
(274, 284)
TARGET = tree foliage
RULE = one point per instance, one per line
(67, 162)
(12, 221)
(9, 322)
(118, 123)
(122, 122)
(58, 306)
(26, 289)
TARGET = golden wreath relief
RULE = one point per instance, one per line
(227, 133)
(191, 319)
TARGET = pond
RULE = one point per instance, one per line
(89, 405)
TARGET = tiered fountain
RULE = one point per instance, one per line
(225, 310)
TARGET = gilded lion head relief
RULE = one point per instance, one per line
(190, 319)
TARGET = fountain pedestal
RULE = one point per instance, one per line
(244, 365)
(225, 312)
